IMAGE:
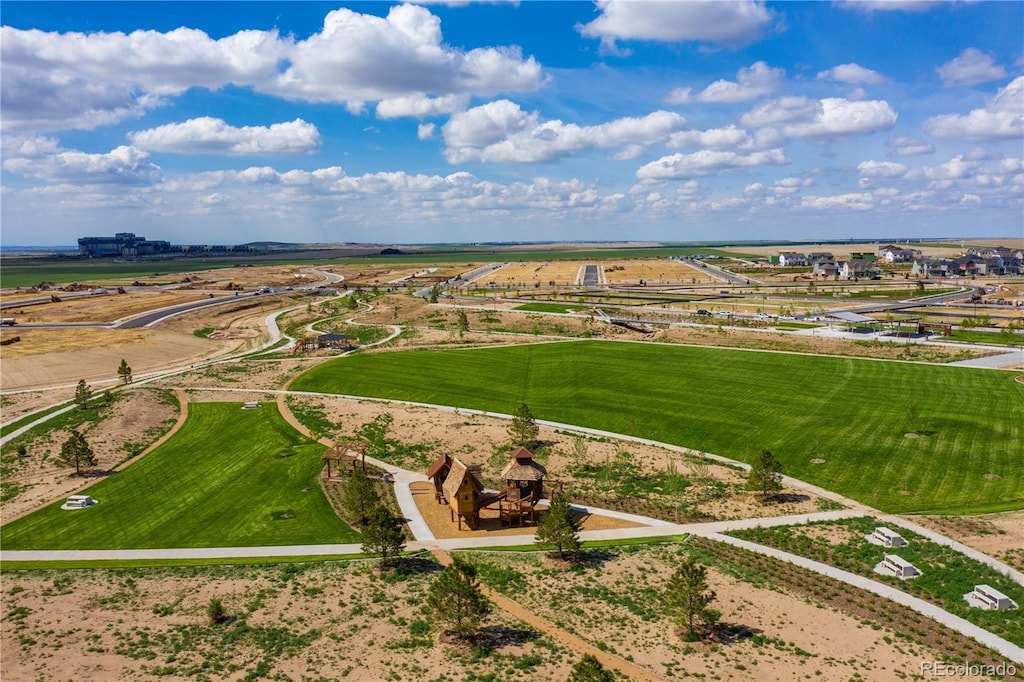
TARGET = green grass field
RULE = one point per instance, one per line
(230, 477)
(965, 453)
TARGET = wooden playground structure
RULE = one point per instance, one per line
(461, 488)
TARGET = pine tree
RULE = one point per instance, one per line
(75, 451)
(462, 322)
(455, 598)
(765, 475)
(125, 372)
(688, 599)
(360, 497)
(382, 535)
(82, 394)
(589, 669)
(559, 527)
(524, 430)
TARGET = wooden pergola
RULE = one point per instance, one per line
(342, 452)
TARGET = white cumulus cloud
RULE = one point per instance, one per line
(121, 166)
(751, 83)
(971, 67)
(421, 106)
(357, 58)
(1001, 118)
(901, 145)
(60, 81)
(206, 135)
(706, 162)
(501, 131)
(735, 23)
(829, 117)
(853, 74)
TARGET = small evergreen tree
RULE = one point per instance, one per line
(382, 535)
(765, 475)
(589, 669)
(216, 612)
(434, 293)
(455, 598)
(125, 372)
(75, 451)
(688, 599)
(462, 322)
(360, 497)
(524, 430)
(82, 394)
(559, 527)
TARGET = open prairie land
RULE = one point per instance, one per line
(902, 437)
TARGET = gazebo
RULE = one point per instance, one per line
(524, 478)
(524, 473)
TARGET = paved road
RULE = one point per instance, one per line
(591, 276)
(153, 317)
(715, 271)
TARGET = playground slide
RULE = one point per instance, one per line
(488, 500)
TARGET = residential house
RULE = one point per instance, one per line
(896, 254)
(791, 259)
(815, 257)
(858, 268)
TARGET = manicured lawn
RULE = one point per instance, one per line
(230, 477)
(964, 453)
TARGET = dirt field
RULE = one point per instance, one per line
(46, 357)
(533, 274)
(654, 272)
(102, 309)
(341, 621)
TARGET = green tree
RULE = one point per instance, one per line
(125, 372)
(350, 301)
(82, 394)
(559, 527)
(455, 598)
(688, 600)
(382, 535)
(75, 451)
(589, 669)
(462, 322)
(524, 430)
(360, 497)
(765, 475)
(435, 291)
(216, 612)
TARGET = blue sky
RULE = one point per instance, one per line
(211, 122)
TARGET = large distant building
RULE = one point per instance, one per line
(122, 244)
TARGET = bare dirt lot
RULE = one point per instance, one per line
(343, 621)
(46, 357)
